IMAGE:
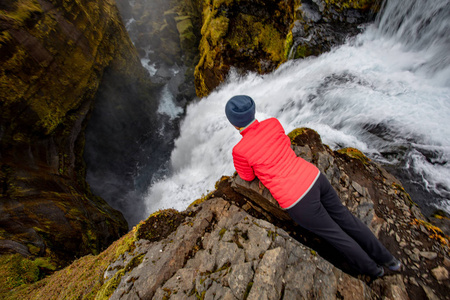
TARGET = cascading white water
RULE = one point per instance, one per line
(386, 92)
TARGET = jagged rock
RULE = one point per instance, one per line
(428, 254)
(429, 293)
(240, 257)
(440, 273)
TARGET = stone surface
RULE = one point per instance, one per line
(53, 57)
(241, 257)
(440, 273)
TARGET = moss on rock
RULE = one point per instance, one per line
(355, 153)
(53, 56)
(255, 38)
(159, 225)
(259, 36)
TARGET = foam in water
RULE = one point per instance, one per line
(380, 93)
(167, 104)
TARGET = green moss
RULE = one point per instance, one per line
(296, 132)
(219, 3)
(127, 244)
(5, 37)
(17, 270)
(33, 249)
(272, 235)
(355, 153)
(111, 285)
(303, 51)
(273, 43)
(199, 201)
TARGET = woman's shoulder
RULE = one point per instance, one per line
(272, 123)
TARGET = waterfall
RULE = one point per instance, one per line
(385, 92)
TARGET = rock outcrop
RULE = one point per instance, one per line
(260, 35)
(166, 35)
(236, 243)
(53, 56)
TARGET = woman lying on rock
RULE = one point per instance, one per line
(299, 187)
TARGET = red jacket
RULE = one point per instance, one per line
(265, 151)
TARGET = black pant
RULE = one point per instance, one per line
(321, 211)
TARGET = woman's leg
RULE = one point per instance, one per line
(353, 226)
(311, 214)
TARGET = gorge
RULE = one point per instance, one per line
(87, 112)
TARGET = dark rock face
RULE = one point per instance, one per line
(128, 143)
(53, 56)
(258, 36)
(166, 34)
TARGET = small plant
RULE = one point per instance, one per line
(435, 232)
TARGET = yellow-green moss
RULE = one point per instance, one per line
(355, 153)
(80, 280)
(24, 10)
(399, 189)
(288, 45)
(353, 4)
(247, 290)
(17, 270)
(110, 286)
(440, 214)
(222, 232)
(273, 43)
(5, 37)
(302, 51)
(299, 131)
(218, 3)
(218, 28)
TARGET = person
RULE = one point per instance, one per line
(300, 188)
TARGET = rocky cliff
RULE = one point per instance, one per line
(53, 57)
(260, 35)
(236, 243)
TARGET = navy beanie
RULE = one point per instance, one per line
(240, 110)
